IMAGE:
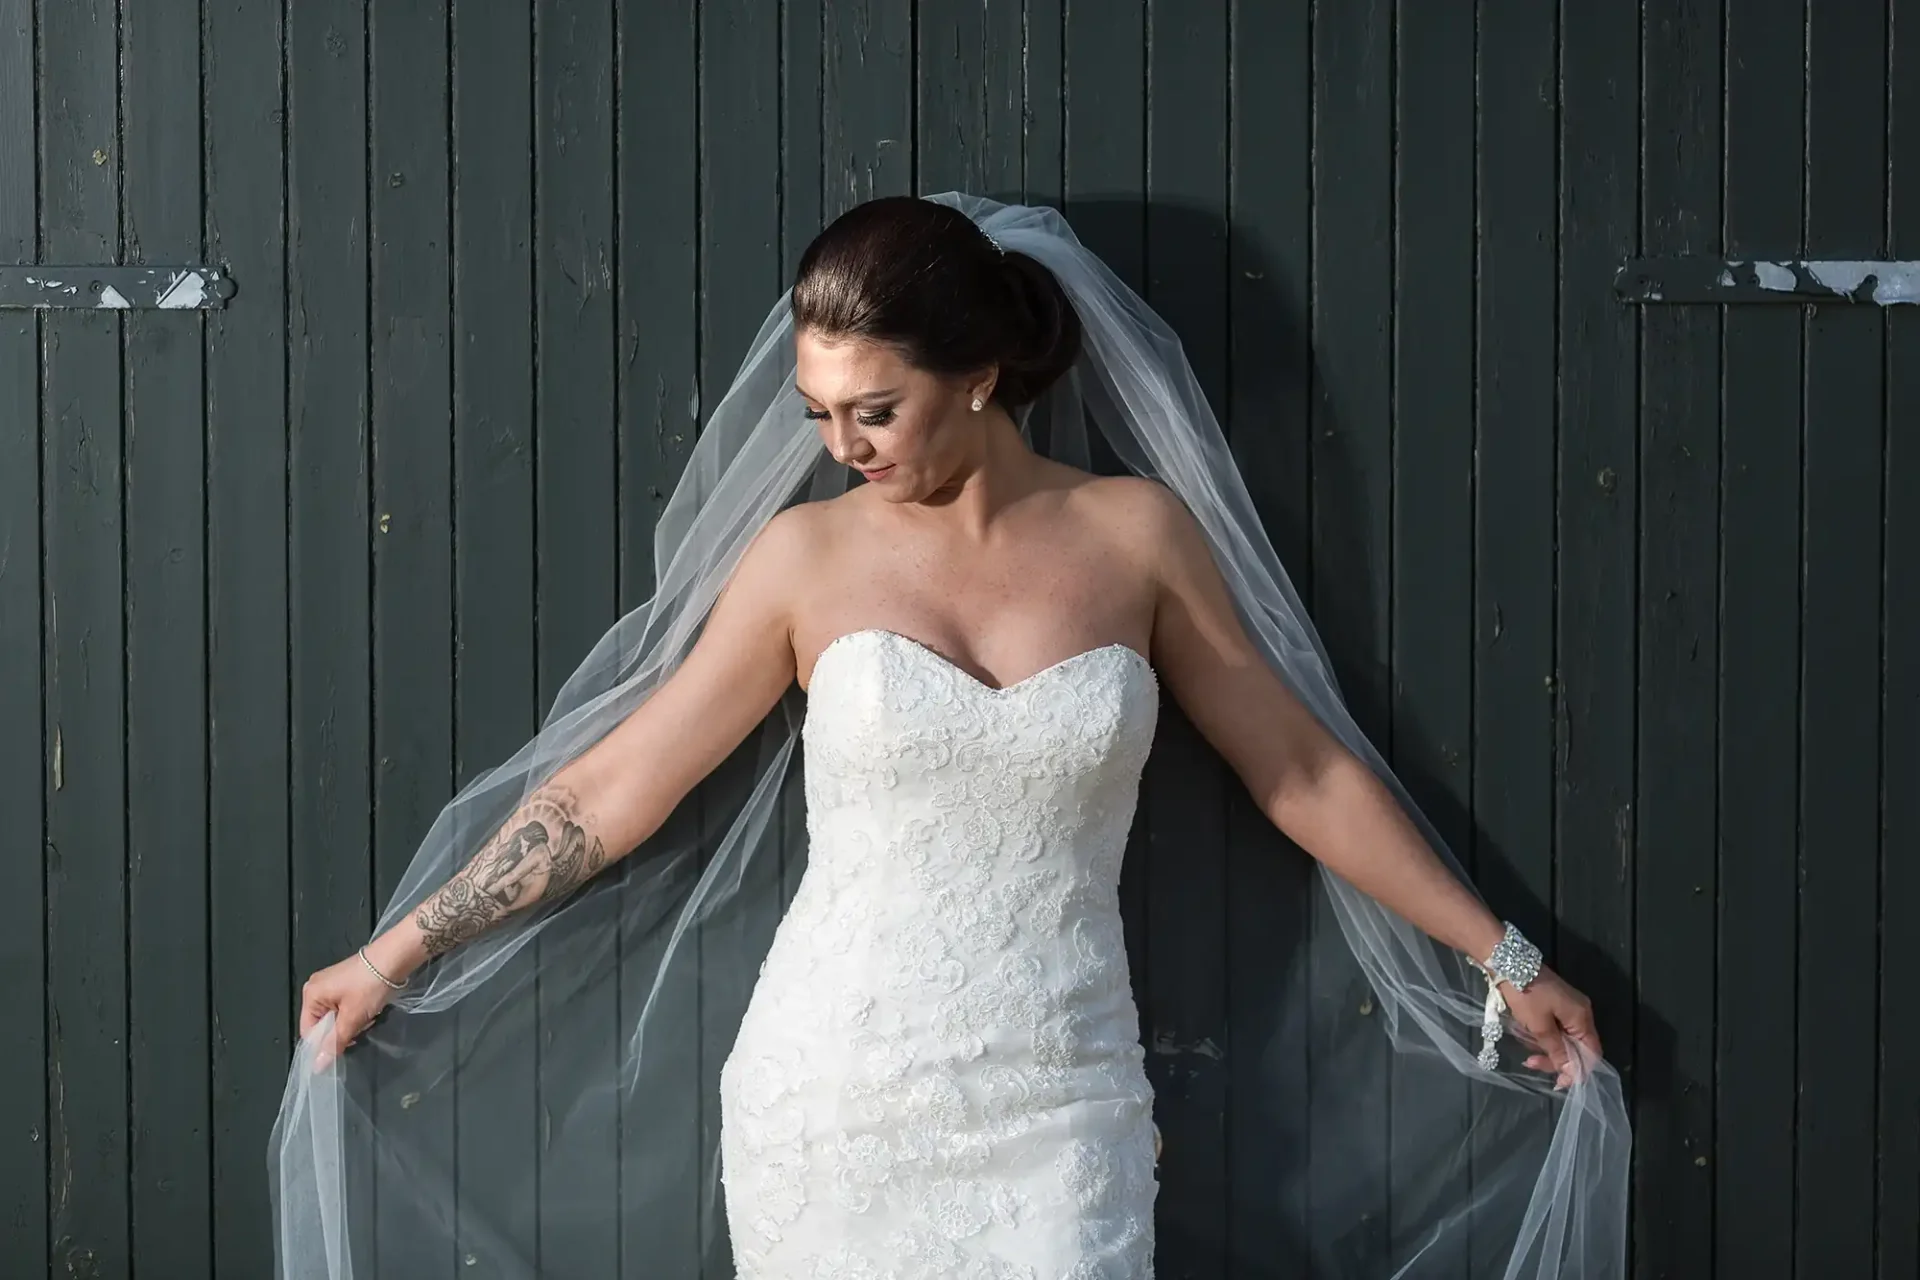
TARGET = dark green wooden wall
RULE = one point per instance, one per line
(1630, 591)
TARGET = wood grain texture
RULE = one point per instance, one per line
(82, 460)
(248, 676)
(1678, 613)
(24, 735)
(1898, 1162)
(167, 926)
(1842, 479)
(1758, 703)
(970, 97)
(1597, 506)
(867, 108)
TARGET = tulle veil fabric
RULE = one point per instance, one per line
(543, 1101)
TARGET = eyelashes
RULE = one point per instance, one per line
(876, 418)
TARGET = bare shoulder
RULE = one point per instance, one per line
(1142, 515)
(1131, 497)
(773, 569)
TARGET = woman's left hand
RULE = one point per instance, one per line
(1551, 1014)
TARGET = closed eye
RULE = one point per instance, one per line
(873, 418)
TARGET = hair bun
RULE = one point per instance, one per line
(1046, 337)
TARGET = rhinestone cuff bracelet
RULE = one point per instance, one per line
(1514, 960)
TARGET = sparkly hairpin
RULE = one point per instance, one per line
(997, 247)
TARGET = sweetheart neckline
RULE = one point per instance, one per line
(968, 676)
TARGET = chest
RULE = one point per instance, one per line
(996, 612)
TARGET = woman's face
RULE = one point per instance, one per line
(903, 428)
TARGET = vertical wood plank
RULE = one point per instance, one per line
(329, 606)
(1185, 793)
(1678, 609)
(494, 704)
(659, 200)
(1432, 461)
(327, 398)
(1430, 617)
(412, 539)
(166, 658)
(740, 274)
(1269, 373)
(1511, 857)
(970, 97)
(411, 409)
(85, 673)
(1352, 475)
(24, 1171)
(1753, 1164)
(802, 123)
(247, 613)
(577, 538)
(659, 204)
(1105, 92)
(1043, 80)
(1840, 687)
(1899, 1137)
(868, 118)
(1596, 499)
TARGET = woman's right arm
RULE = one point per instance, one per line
(611, 797)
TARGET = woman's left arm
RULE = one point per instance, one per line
(1326, 799)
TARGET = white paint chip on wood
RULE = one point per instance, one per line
(188, 289)
(1894, 283)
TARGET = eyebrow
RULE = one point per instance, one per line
(865, 397)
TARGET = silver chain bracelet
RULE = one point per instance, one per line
(1514, 960)
(375, 971)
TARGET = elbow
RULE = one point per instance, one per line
(1305, 783)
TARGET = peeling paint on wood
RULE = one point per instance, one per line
(1738, 280)
(114, 288)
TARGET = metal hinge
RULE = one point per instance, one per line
(114, 288)
(1795, 280)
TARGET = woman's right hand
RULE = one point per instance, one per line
(349, 991)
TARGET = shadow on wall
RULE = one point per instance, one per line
(1234, 1193)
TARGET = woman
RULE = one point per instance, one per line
(938, 1071)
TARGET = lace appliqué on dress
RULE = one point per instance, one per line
(939, 1073)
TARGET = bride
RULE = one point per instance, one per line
(937, 1071)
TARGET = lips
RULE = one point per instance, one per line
(878, 473)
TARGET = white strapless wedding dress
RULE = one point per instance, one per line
(939, 1074)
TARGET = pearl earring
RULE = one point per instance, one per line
(978, 404)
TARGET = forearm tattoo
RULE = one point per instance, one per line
(541, 854)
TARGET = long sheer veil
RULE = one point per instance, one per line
(545, 1098)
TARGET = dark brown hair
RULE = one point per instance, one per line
(923, 279)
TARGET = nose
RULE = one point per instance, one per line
(844, 442)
